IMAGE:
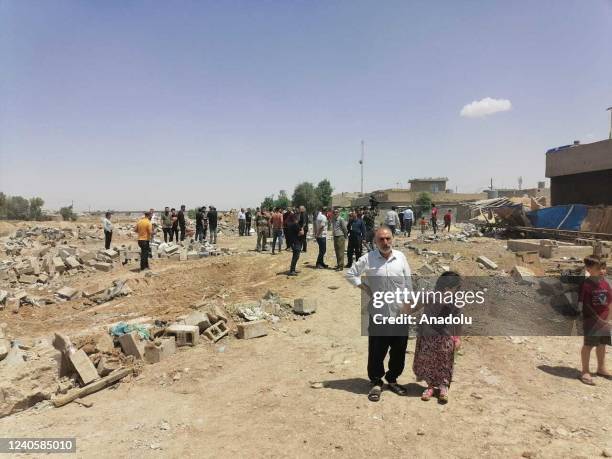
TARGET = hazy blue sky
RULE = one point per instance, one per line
(131, 104)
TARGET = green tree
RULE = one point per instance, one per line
(305, 195)
(3, 206)
(283, 200)
(324, 192)
(36, 208)
(18, 208)
(423, 203)
(268, 202)
(67, 213)
(191, 213)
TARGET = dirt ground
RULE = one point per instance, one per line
(510, 397)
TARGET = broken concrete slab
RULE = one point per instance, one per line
(105, 343)
(83, 366)
(486, 262)
(102, 266)
(106, 365)
(68, 293)
(58, 265)
(255, 329)
(72, 262)
(523, 275)
(131, 344)
(304, 305)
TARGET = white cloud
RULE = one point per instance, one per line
(485, 107)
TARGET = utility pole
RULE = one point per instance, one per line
(610, 110)
(361, 163)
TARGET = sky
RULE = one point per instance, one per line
(127, 105)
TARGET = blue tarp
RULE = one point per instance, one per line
(567, 217)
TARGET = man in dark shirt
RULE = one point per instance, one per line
(357, 231)
(199, 235)
(212, 224)
(303, 224)
(248, 218)
(181, 221)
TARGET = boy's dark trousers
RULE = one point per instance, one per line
(434, 225)
(182, 232)
(167, 234)
(354, 247)
(322, 242)
(295, 246)
(408, 226)
(247, 228)
(241, 226)
(108, 236)
(199, 234)
(378, 346)
(144, 254)
(174, 234)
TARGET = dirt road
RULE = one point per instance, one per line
(510, 398)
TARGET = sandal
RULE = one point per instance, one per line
(443, 396)
(397, 389)
(586, 379)
(374, 394)
(427, 394)
(604, 376)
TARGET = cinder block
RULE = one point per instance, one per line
(186, 335)
(156, 352)
(217, 331)
(255, 329)
(304, 305)
(102, 266)
(131, 344)
(81, 363)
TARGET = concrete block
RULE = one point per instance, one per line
(111, 253)
(523, 245)
(102, 266)
(217, 331)
(85, 255)
(131, 344)
(58, 265)
(523, 275)
(198, 319)
(72, 262)
(161, 349)
(35, 265)
(255, 329)
(304, 305)
(186, 335)
(28, 279)
(485, 261)
(68, 292)
(81, 363)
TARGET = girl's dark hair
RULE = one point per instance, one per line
(448, 280)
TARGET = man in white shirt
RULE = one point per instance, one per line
(392, 219)
(321, 237)
(408, 221)
(384, 270)
(241, 222)
(108, 230)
